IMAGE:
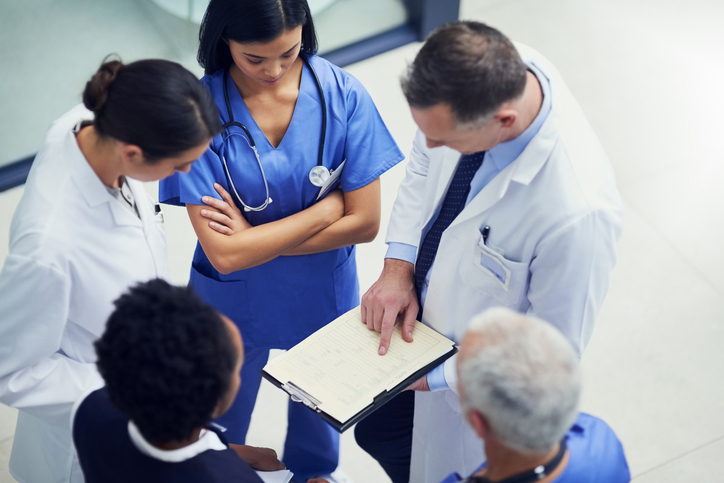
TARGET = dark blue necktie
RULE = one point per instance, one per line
(452, 205)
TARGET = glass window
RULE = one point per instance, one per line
(335, 29)
(51, 48)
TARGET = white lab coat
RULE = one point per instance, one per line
(74, 249)
(555, 216)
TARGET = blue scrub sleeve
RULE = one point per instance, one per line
(369, 149)
(182, 188)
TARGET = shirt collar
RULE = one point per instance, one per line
(505, 153)
(208, 440)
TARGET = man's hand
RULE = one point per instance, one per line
(391, 297)
(262, 459)
(419, 385)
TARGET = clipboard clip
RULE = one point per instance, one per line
(301, 396)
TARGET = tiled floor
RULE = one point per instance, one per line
(647, 74)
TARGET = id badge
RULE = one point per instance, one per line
(489, 262)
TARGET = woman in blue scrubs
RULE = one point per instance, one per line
(286, 267)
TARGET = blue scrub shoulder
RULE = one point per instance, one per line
(596, 455)
(369, 148)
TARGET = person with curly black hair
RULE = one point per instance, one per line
(171, 364)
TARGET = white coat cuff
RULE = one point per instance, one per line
(401, 251)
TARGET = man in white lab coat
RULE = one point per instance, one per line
(509, 200)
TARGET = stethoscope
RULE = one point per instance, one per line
(317, 175)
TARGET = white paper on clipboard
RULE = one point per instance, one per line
(333, 177)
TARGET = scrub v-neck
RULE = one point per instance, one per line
(291, 121)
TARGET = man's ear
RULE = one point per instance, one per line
(219, 409)
(479, 423)
(132, 154)
(506, 117)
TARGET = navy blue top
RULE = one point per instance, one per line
(596, 455)
(107, 454)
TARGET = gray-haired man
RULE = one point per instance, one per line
(519, 383)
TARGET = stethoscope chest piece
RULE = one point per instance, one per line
(318, 175)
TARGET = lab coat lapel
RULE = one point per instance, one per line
(523, 170)
(153, 231)
(122, 215)
(85, 179)
(447, 170)
(449, 165)
(535, 155)
(91, 187)
(142, 199)
(488, 196)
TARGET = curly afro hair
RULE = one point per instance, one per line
(167, 360)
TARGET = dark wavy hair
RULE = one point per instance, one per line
(248, 21)
(167, 360)
(469, 66)
(154, 104)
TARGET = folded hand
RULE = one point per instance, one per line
(226, 219)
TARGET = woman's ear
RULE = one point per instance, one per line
(132, 154)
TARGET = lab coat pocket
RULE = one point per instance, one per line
(494, 275)
(228, 297)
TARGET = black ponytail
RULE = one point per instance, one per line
(154, 104)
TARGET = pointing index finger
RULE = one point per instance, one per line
(388, 325)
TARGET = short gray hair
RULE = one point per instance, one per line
(524, 376)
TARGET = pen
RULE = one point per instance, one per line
(486, 233)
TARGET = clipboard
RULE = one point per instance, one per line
(299, 396)
(337, 373)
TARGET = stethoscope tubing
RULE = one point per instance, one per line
(252, 144)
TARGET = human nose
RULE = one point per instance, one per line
(275, 70)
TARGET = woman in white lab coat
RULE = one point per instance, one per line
(84, 231)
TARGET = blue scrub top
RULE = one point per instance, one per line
(596, 455)
(279, 303)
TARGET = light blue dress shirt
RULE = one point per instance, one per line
(495, 161)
